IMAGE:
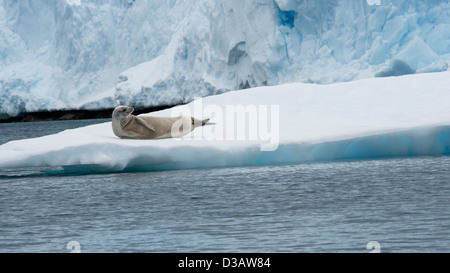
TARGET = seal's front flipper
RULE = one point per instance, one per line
(146, 123)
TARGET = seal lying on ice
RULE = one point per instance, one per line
(126, 125)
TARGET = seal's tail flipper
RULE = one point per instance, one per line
(199, 123)
(207, 122)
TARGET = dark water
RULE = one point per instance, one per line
(402, 203)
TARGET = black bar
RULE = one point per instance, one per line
(223, 262)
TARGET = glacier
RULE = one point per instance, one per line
(362, 119)
(90, 54)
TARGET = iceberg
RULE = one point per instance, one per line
(90, 54)
(285, 124)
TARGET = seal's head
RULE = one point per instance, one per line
(120, 117)
(122, 112)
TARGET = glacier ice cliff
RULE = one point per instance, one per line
(90, 54)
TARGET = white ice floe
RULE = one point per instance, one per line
(370, 118)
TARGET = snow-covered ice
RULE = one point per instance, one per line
(368, 118)
(90, 54)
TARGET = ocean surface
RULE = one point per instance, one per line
(398, 205)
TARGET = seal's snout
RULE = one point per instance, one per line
(122, 111)
(129, 110)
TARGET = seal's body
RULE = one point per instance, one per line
(126, 125)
